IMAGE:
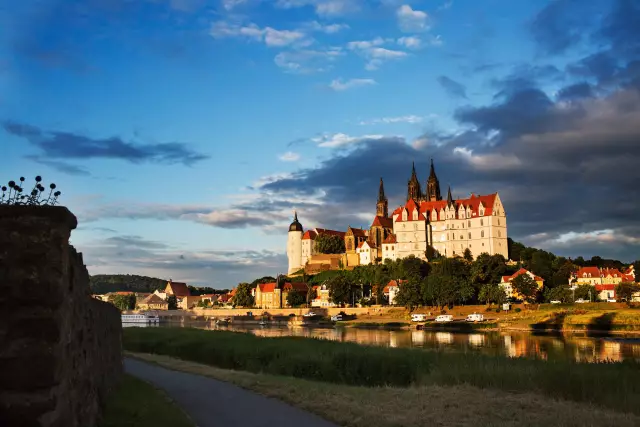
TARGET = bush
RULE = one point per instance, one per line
(498, 310)
(518, 310)
(488, 309)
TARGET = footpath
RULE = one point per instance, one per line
(212, 403)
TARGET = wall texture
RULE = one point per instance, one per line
(60, 349)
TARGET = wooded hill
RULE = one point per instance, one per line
(104, 283)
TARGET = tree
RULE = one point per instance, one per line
(295, 299)
(172, 302)
(243, 297)
(467, 255)
(438, 290)
(526, 287)
(339, 290)
(125, 302)
(559, 293)
(410, 294)
(586, 292)
(625, 290)
(492, 293)
(329, 244)
(562, 275)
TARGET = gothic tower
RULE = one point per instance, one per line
(382, 207)
(413, 187)
(433, 186)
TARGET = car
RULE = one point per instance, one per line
(416, 317)
(581, 301)
(310, 314)
(444, 318)
(475, 317)
(555, 301)
(336, 317)
(612, 300)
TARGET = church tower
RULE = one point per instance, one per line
(433, 186)
(294, 245)
(413, 187)
(382, 207)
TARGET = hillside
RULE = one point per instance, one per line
(103, 283)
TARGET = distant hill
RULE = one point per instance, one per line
(103, 283)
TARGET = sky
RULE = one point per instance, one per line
(184, 133)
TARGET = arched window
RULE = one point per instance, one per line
(481, 212)
(482, 233)
(481, 222)
(498, 221)
(391, 247)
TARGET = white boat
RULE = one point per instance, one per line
(141, 318)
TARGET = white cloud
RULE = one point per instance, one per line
(270, 36)
(489, 161)
(323, 7)
(375, 55)
(307, 61)
(436, 41)
(341, 139)
(289, 156)
(230, 4)
(398, 119)
(325, 28)
(340, 85)
(410, 42)
(412, 21)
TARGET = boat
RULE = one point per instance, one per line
(263, 323)
(224, 321)
(148, 317)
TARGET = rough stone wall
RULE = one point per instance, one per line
(60, 349)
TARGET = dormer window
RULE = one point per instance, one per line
(415, 215)
(481, 212)
(404, 215)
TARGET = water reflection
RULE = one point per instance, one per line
(512, 344)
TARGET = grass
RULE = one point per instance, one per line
(611, 385)
(136, 403)
(434, 405)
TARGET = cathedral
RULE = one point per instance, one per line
(425, 226)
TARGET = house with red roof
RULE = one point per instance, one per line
(322, 298)
(505, 283)
(391, 290)
(604, 280)
(274, 295)
(389, 246)
(367, 252)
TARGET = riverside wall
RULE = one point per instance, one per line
(60, 349)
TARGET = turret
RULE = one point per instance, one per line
(382, 207)
(294, 245)
(413, 187)
(433, 186)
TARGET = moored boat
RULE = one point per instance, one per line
(148, 317)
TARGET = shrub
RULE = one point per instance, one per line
(488, 309)
(518, 310)
(498, 310)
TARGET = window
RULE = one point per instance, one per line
(461, 237)
(415, 226)
(498, 221)
(469, 224)
(469, 236)
(482, 233)
(391, 247)
(481, 222)
(481, 212)
(415, 215)
(499, 233)
(415, 246)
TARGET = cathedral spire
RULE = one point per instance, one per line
(413, 187)
(432, 172)
(382, 207)
(433, 185)
(449, 198)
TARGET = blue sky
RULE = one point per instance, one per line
(183, 133)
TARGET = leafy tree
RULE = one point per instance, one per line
(295, 299)
(105, 283)
(195, 291)
(540, 264)
(125, 302)
(467, 255)
(329, 244)
(586, 292)
(562, 275)
(558, 293)
(487, 269)
(410, 294)
(265, 279)
(492, 293)
(243, 297)
(526, 287)
(413, 267)
(625, 290)
(340, 289)
(172, 302)
(439, 290)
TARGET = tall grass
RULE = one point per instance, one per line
(613, 385)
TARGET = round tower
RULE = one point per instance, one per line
(294, 245)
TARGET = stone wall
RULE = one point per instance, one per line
(60, 349)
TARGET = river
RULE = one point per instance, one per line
(546, 346)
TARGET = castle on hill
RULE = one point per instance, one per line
(425, 226)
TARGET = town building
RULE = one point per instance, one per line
(274, 295)
(604, 280)
(153, 302)
(322, 299)
(505, 283)
(426, 225)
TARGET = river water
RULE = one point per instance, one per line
(579, 347)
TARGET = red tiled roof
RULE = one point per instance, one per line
(588, 270)
(358, 232)
(391, 238)
(392, 283)
(309, 235)
(360, 244)
(178, 289)
(330, 232)
(300, 287)
(381, 221)
(267, 287)
(224, 298)
(411, 207)
(153, 299)
(614, 272)
(233, 292)
(606, 287)
(518, 273)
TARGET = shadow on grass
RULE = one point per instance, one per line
(601, 325)
(551, 326)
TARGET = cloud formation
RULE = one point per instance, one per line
(270, 36)
(340, 85)
(67, 145)
(372, 51)
(452, 87)
(307, 61)
(412, 21)
(289, 156)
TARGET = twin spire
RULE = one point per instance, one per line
(432, 190)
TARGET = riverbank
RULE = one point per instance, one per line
(443, 406)
(608, 385)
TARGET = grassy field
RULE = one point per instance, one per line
(136, 403)
(433, 405)
(610, 385)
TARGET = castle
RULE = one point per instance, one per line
(425, 226)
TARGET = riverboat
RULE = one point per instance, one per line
(149, 317)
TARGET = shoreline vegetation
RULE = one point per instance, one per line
(610, 386)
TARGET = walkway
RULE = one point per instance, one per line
(213, 403)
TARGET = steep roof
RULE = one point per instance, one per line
(153, 299)
(358, 232)
(309, 235)
(178, 289)
(330, 232)
(520, 272)
(381, 221)
(391, 238)
(411, 206)
(588, 272)
(300, 287)
(613, 272)
(267, 287)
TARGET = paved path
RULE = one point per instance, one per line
(213, 403)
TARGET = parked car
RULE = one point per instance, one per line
(612, 300)
(418, 317)
(336, 317)
(581, 301)
(475, 317)
(444, 318)
(555, 301)
(310, 314)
